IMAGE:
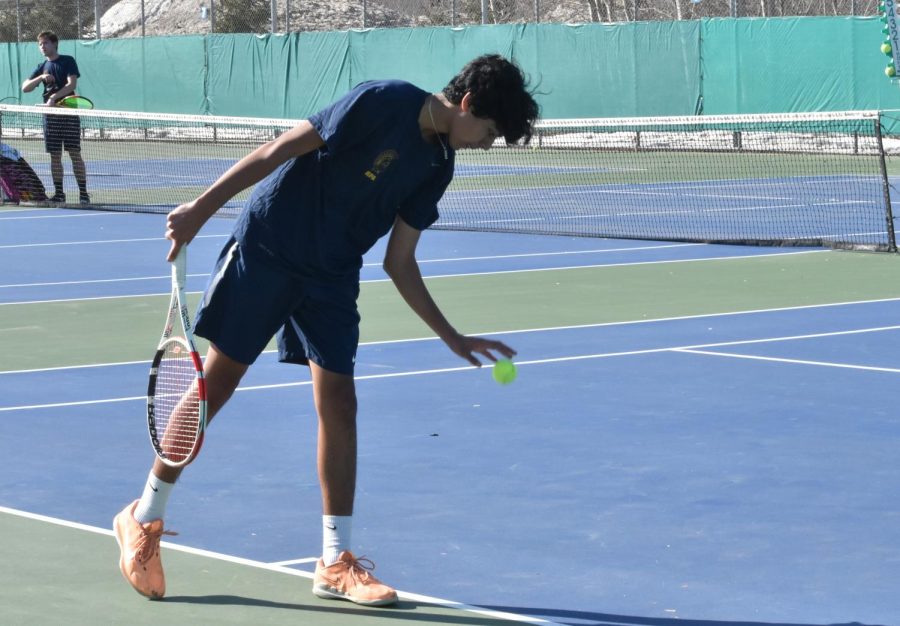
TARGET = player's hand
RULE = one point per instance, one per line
(182, 225)
(469, 347)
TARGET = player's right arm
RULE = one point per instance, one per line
(401, 265)
(30, 83)
(185, 221)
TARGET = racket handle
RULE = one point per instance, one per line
(179, 267)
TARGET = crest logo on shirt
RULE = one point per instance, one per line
(382, 162)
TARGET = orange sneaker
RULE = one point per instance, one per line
(140, 562)
(349, 578)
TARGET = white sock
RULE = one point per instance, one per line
(153, 503)
(336, 532)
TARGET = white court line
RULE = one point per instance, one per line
(58, 405)
(93, 298)
(53, 217)
(97, 242)
(564, 359)
(543, 254)
(892, 370)
(309, 559)
(514, 332)
(378, 264)
(690, 211)
(675, 186)
(275, 567)
(763, 255)
(98, 281)
(470, 274)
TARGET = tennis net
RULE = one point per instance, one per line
(820, 179)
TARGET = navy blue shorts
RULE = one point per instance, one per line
(62, 131)
(250, 298)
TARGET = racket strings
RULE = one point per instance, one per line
(177, 402)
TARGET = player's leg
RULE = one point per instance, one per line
(53, 144)
(56, 173)
(241, 310)
(72, 139)
(222, 374)
(323, 332)
(139, 527)
(80, 171)
(339, 574)
(335, 401)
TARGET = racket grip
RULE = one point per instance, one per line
(179, 267)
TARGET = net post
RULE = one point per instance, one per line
(886, 187)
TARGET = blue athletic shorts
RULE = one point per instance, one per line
(62, 131)
(250, 298)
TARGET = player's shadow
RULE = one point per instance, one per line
(226, 600)
(590, 618)
(418, 612)
(414, 612)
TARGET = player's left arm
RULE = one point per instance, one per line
(401, 265)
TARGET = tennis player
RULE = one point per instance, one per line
(59, 75)
(376, 161)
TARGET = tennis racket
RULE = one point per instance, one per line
(176, 396)
(75, 102)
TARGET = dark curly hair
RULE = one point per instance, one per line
(499, 92)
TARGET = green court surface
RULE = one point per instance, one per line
(67, 575)
(41, 335)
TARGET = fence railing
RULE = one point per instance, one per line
(22, 20)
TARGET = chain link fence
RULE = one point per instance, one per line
(22, 20)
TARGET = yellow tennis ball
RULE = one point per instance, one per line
(886, 48)
(890, 71)
(504, 371)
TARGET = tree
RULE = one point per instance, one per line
(242, 16)
(23, 20)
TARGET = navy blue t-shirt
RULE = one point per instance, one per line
(61, 68)
(319, 213)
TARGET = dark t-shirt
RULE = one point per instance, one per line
(319, 213)
(61, 68)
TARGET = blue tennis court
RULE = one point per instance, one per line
(699, 433)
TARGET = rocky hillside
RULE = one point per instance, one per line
(181, 17)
